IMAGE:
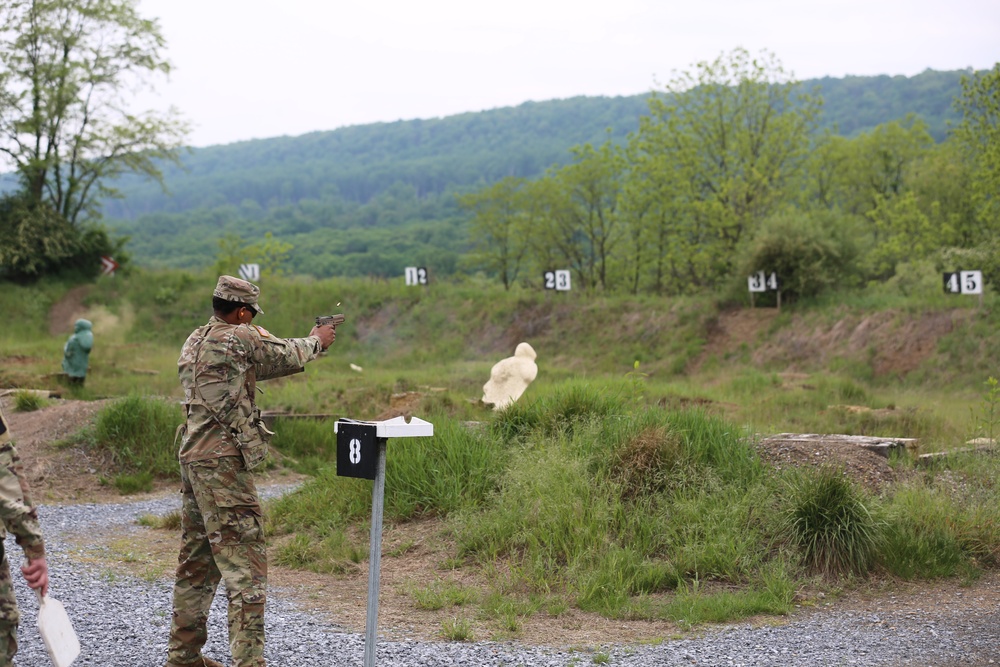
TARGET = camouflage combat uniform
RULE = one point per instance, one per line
(221, 515)
(19, 517)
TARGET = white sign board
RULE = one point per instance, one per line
(761, 282)
(558, 280)
(972, 282)
(416, 275)
(250, 272)
(108, 265)
(963, 282)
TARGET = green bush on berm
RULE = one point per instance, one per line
(575, 495)
(138, 432)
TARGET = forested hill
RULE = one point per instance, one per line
(436, 155)
(359, 162)
(394, 183)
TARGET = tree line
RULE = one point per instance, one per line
(730, 172)
(370, 200)
(65, 68)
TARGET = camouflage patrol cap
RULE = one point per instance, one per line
(240, 291)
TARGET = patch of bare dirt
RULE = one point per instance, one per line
(893, 343)
(67, 311)
(731, 330)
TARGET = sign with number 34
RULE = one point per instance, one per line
(761, 282)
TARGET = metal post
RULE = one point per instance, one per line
(375, 556)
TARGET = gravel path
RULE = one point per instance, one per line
(123, 622)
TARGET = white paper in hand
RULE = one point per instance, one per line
(57, 632)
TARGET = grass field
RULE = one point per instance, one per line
(625, 481)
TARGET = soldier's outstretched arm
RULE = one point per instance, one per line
(275, 357)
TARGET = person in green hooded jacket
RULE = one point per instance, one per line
(76, 352)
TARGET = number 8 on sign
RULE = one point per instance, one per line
(355, 451)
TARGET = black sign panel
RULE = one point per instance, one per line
(357, 451)
(951, 283)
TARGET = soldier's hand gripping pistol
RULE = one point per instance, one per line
(330, 321)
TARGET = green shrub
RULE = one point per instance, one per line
(38, 241)
(810, 252)
(138, 432)
(921, 542)
(567, 406)
(457, 630)
(830, 525)
(127, 484)
(28, 401)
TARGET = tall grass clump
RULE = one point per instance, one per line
(714, 530)
(612, 508)
(947, 522)
(138, 432)
(548, 508)
(829, 523)
(28, 401)
(921, 541)
(457, 468)
(717, 444)
(322, 506)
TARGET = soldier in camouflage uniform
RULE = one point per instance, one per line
(222, 439)
(18, 516)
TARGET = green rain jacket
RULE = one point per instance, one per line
(76, 353)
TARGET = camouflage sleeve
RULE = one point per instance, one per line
(16, 511)
(275, 357)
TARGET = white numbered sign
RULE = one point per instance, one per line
(558, 280)
(416, 275)
(963, 282)
(972, 282)
(250, 272)
(761, 282)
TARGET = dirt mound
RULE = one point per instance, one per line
(867, 468)
(891, 342)
(58, 472)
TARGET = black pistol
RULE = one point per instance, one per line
(331, 320)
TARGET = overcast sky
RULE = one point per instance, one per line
(246, 69)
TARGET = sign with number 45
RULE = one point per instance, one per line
(963, 282)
